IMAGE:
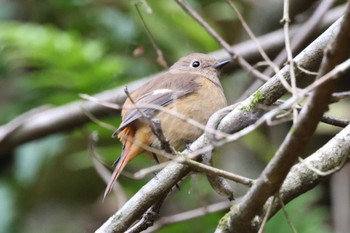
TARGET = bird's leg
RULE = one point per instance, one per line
(155, 158)
(157, 161)
(188, 146)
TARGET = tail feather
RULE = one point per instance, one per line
(120, 164)
(130, 150)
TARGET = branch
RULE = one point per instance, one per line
(70, 116)
(233, 55)
(188, 215)
(235, 120)
(269, 182)
(144, 198)
(155, 127)
(302, 179)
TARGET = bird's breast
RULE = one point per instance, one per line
(197, 106)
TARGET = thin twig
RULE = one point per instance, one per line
(155, 127)
(96, 160)
(333, 74)
(306, 30)
(336, 72)
(276, 171)
(308, 72)
(221, 41)
(145, 171)
(188, 160)
(340, 95)
(100, 167)
(176, 114)
(218, 172)
(160, 56)
(286, 213)
(335, 121)
(69, 116)
(253, 37)
(303, 33)
(97, 121)
(325, 118)
(274, 67)
(324, 173)
(286, 20)
(188, 215)
(266, 217)
(149, 216)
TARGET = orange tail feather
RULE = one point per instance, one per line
(122, 161)
(130, 150)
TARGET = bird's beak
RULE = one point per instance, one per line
(221, 64)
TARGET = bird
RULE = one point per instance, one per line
(190, 87)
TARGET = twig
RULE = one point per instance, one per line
(170, 175)
(155, 127)
(253, 37)
(159, 108)
(278, 168)
(160, 56)
(266, 217)
(100, 167)
(306, 30)
(325, 118)
(340, 95)
(302, 179)
(286, 213)
(148, 217)
(221, 41)
(149, 195)
(286, 21)
(188, 215)
(186, 158)
(303, 33)
(145, 171)
(97, 121)
(97, 162)
(219, 184)
(330, 76)
(335, 121)
(69, 116)
(336, 72)
(218, 172)
(324, 173)
(308, 72)
(273, 66)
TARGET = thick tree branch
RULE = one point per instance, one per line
(71, 116)
(274, 174)
(301, 178)
(234, 121)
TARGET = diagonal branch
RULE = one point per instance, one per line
(234, 56)
(301, 178)
(170, 175)
(273, 175)
(70, 116)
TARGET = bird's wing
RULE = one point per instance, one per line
(166, 90)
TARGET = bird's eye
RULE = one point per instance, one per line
(195, 64)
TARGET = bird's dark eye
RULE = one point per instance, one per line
(195, 64)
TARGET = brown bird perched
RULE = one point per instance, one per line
(190, 87)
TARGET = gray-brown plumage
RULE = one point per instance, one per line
(190, 87)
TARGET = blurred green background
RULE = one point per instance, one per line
(53, 50)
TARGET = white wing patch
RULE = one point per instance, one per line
(161, 91)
